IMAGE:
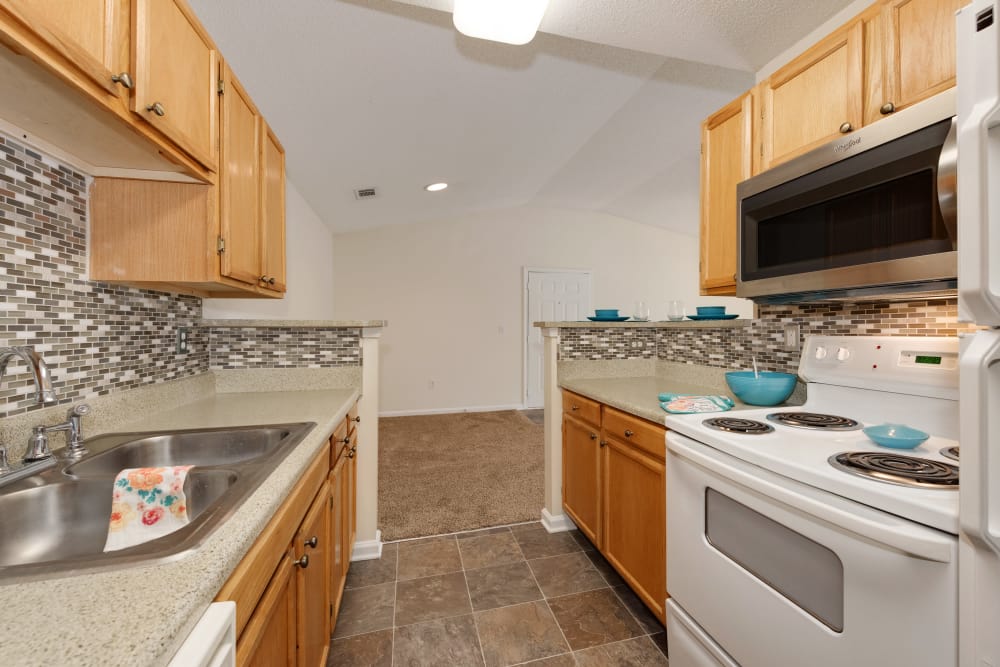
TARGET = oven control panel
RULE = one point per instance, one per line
(890, 363)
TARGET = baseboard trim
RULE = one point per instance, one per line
(449, 411)
(369, 549)
(558, 523)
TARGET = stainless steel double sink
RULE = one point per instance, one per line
(56, 522)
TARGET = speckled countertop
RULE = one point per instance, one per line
(141, 615)
(637, 395)
(632, 324)
(296, 324)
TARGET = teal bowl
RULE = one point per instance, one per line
(711, 310)
(606, 312)
(768, 388)
(896, 436)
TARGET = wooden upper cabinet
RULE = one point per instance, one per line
(814, 98)
(919, 53)
(176, 76)
(90, 34)
(726, 154)
(272, 247)
(239, 183)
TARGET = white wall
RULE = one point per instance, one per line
(309, 253)
(453, 295)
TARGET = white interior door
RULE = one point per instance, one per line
(552, 296)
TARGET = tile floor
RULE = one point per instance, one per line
(500, 596)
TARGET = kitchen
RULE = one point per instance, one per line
(369, 273)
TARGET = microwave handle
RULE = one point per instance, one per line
(947, 183)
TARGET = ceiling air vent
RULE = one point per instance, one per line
(365, 193)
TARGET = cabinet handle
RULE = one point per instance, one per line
(312, 541)
(593, 436)
(845, 128)
(302, 562)
(346, 440)
(628, 433)
(358, 419)
(262, 279)
(350, 454)
(125, 79)
(575, 408)
(157, 108)
(887, 108)
(603, 443)
(270, 281)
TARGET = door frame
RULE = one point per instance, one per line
(526, 323)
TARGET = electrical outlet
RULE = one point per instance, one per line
(792, 337)
(430, 384)
(182, 340)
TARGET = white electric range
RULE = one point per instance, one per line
(791, 514)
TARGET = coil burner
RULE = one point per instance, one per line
(950, 452)
(814, 420)
(898, 469)
(736, 425)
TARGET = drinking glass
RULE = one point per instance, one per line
(675, 311)
(641, 311)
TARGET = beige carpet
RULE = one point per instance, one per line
(448, 473)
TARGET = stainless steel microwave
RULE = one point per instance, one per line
(871, 215)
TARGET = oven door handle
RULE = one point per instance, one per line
(877, 527)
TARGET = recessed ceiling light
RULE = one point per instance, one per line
(508, 21)
(435, 187)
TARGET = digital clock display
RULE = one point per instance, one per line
(927, 359)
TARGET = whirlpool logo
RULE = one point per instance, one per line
(847, 145)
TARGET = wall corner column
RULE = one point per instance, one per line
(368, 544)
(553, 517)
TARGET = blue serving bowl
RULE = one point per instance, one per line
(711, 310)
(606, 312)
(896, 436)
(769, 388)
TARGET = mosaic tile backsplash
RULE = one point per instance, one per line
(96, 338)
(292, 347)
(764, 337)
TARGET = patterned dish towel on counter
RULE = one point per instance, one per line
(682, 405)
(147, 503)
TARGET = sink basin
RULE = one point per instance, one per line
(199, 448)
(69, 520)
(56, 521)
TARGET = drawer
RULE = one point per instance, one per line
(640, 433)
(582, 408)
(338, 443)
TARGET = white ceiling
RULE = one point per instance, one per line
(601, 112)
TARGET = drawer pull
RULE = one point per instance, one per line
(157, 108)
(346, 440)
(604, 443)
(845, 128)
(575, 408)
(593, 436)
(628, 433)
(358, 419)
(350, 454)
(887, 108)
(312, 542)
(302, 562)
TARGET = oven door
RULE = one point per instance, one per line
(780, 573)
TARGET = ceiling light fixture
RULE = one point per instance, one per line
(507, 21)
(435, 187)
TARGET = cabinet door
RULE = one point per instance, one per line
(635, 540)
(920, 49)
(351, 500)
(726, 149)
(815, 98)
(581, 476)
(176, 76)
(338, 565)
(269, 638)
(85, 32)
(272, 245)
(312, 541)
(239, 183)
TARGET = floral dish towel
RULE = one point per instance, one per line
(147, 503)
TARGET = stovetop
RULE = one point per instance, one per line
(804, 454)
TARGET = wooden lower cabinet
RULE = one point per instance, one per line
(581, 473)
(635, 520)
(614, 489)
(289, 586)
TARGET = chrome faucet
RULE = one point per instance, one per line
(38, 443)
(44, 393)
